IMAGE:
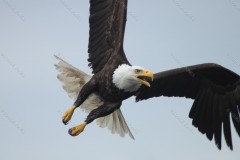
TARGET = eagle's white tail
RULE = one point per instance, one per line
(73, 80)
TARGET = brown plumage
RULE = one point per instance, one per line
(107, 25)
(216, 94)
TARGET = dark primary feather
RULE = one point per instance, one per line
(107, 24)
(216, 94)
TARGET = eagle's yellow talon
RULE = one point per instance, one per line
(77, 130)
(68, 114)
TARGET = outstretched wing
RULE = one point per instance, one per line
(216, 94)
(107, 24)
(73, 80)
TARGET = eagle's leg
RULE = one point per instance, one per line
(102, 111)
(82, 96)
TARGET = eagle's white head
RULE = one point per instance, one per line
(130, 78)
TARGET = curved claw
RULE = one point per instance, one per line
(65, 122)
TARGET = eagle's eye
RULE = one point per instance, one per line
(137, 71)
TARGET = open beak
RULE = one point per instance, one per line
(146, 77)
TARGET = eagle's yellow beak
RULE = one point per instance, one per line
(145, 77)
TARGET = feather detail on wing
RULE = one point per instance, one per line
(216, 94)
(107, 22)
(73, 80)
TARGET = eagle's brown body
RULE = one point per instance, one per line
(215, 89)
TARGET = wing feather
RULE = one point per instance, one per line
(107, 25)
(216, 94)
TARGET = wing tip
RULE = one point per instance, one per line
(57, 57)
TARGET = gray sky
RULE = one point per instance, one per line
(160, 35)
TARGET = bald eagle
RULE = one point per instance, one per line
(214, 89)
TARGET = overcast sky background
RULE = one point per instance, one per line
(160, 35)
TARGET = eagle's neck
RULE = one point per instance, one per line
(124, 79)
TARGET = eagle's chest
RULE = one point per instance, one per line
(108, 90)
(114, 94)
